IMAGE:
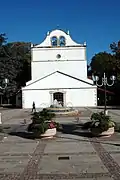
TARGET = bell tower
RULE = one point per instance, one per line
(58, 52)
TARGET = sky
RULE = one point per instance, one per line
(95, 21)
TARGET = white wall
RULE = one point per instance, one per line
(58, 80)
(40, 97)
(82, 97)
(71, 53)
(73, 58)
(74, 68)
(78, 97)
(72, 62)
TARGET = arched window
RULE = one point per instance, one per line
(62, 41)
(54, 41)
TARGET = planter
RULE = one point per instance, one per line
(108, 133)
(49, 133)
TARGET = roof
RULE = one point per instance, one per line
(46, 43)
(58, 29)
(62, 74)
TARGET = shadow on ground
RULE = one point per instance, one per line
(71, 129)
(24, 134)
(75, 129)
(17, 130)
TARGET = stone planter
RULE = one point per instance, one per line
(49, 133)
(108, 133)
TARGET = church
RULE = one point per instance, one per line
(59, 72)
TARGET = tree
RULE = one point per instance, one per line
(3, 39)
(14, 64)
(103, 62)
(115, 48)
(20, 52)
(106, 62)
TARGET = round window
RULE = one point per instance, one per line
(58, 56)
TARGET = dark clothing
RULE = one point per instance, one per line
(33, 107)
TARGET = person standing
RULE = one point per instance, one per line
(33, 107)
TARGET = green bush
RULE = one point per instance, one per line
(44, 115)
(1, 129)
(41, 121)
(38, 129)
(99, 122)
(87, 125)
(117, 127)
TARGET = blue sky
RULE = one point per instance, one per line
(95, 21)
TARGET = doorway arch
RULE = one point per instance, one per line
(59, 96)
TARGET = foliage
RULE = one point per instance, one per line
(110, 64)
(44, 115)
(107, 62)
(14, 64)
(100, 122)
(3, 39)
(103, 62)
(87, 125)
(115, 47)
(1, 129)
(38, 129)
(117, 127)
(51, 106)
(41, 121)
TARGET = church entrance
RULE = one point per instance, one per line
(59, 97)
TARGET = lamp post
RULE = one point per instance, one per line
(5, 83)
(104, 83)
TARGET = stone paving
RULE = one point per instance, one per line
(72, 154)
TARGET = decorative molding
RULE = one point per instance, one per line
(60, 60)
(60, 47)
(59, 88)
(55, 91)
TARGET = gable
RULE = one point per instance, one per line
(57, 33)
(58, 80)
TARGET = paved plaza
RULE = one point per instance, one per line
(72, 154)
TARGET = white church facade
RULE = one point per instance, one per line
(59, 72)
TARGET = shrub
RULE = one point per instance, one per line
(100, 122)
(87, 125)
(117, 127)
(41, 121)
